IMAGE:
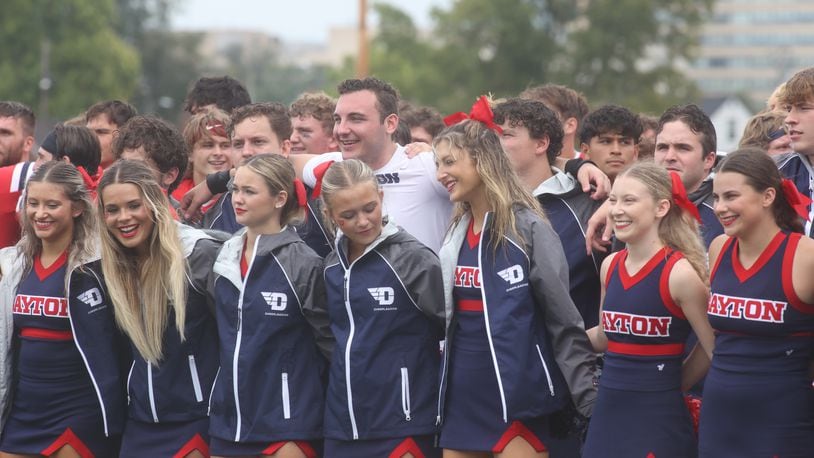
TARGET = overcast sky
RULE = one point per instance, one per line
(292, 20)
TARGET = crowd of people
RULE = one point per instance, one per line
(362, 277)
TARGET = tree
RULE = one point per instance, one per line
(60, 56)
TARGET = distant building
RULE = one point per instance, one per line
(751, 46)
(729, 115)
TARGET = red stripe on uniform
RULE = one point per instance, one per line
(518, 429)
(407, 446)
(68, 438)
(469, 305)
(47, 334)
(646, 349)
(196, 443)
(304, 447)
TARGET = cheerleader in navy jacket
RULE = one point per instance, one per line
(269, 295)
(384, 297)
(653, 295)
(155, 271)
(66, 397)
(516, 350)
(758, 396)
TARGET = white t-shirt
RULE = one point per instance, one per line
(413, 198)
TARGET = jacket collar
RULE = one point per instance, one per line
(558, 184)
(388, 229)
(227, 264)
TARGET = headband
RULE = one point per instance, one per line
(481, 112)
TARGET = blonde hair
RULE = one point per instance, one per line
(677, 229)
(503, 189)
(759, 127)
(81, 249)
(143, 290)
(340, 176)
(279, 175)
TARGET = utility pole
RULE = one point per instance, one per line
(362, 67)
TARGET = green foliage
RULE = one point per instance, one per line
(73, 42)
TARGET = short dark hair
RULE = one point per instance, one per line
(162, 143)
(276, 114)
(610, 119)
(402, 134)
(117, 111)
(567, 102)
(427, 118)
(319, 106)
(12, 109)
(387, 98)
(540, 120)
(698, 121)
(224, 91)
(80, 145)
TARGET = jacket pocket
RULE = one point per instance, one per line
(286, 398)
(196, 382)
(129, 375)
(545, 368)
(405, 393)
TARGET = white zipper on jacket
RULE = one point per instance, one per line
(486, 320)
(239, 336)
(196, 382)
(85, 358)
(286, 399)
(545, 368)
(347, 352)
(212, 392)
(405, 393)
(150, 391)
(130, 374)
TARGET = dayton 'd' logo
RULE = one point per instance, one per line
(91, 297)
(277, 301)
(513, 275)
(384, 296)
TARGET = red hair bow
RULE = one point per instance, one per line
(90, 182)
(680, 197)
(319, 172)
(481, 112)
(798, 201)
(299, 188)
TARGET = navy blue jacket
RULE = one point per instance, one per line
(386, 310)
(178, 388)
(539, 348)
(270, 386)
(796, 168)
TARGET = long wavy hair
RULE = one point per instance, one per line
(504, 193)
(677, 229)
(143, 290)
(82, 247)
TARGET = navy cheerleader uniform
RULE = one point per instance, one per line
(168, 402)
(386, 311)
(506, 313)
(55, 400)
(640, 411)
(269, 390)
(758, 397)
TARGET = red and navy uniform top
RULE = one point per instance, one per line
(12, 184)
(470, 332)
(760, 323)
(646, 329)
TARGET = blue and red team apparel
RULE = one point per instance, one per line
(270, 389)
(758, 396)
(168, 403)
(54, 402)
(640, 411)
(12, 184)
(472, 412)
(386, 311)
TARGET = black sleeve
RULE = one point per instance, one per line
(571, 167)
(218, 182)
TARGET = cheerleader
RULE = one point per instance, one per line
(758, 396)
(654, 293)
(65, 397)
(384, 297)
(155, 271)
(269, 396)
(516, 350)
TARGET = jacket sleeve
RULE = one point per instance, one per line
(420, 270)
(311, 289)
(572, 349)
(200, 264)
